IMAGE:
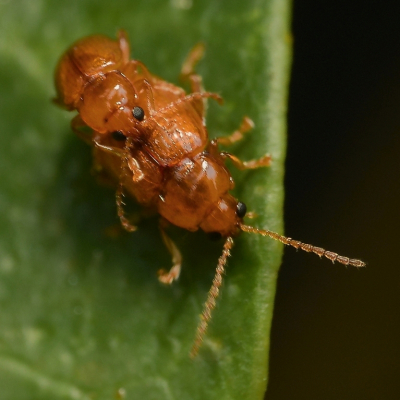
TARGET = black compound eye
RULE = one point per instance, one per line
(214, 236)
(119, 136)
(138, 113)
(241, 209)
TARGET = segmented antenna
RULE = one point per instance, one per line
(119, 194)
(209, 305)
(304, 246)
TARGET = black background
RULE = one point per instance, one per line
(336, 329)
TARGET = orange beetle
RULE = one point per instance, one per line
(150, 137)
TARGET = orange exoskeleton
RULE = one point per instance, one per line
(149, 136)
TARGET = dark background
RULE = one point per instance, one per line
(336, 329)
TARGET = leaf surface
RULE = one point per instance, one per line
(82, 313)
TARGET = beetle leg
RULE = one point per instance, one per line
(187, 70)
(237, 135)
(124, 45)
(264, 161)
(164, 276)
(149, 96)
(188, 74)
(246, 125)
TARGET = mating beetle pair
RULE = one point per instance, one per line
(150, 138)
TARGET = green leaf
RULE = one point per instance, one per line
(83, 315)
